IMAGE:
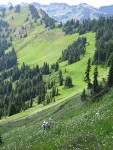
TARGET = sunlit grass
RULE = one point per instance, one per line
(78, 127)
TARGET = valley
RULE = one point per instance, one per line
(32, 90)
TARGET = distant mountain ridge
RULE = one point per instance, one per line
(63, 12)
(107, 9)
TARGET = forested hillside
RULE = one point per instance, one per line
(44, 67)
(20, 84)
(102, 55)
(104, 36)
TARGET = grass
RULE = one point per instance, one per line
(41, 44)
(44, 46)
(76, 71)
(78, 127)
(19, 18)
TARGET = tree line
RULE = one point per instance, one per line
(18, 88)
(4, 41)
(74, 51)
(3, 24)
(34, 12)
(48, 21)
(104, 36)
(8, 60)
(17, 8)
(104, 42)
(23, 85)
(96, 88)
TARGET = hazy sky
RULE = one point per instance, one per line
(95, 3)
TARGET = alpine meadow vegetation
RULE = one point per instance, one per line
(59, 71)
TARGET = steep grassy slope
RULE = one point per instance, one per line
(82, 127)
(41, 44)
(18, 18)
(76, 71)
(45, 45)
(77, 127)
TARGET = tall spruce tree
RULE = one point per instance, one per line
(1, 140)
(34, 12)
(110, 75)
(10, 7)
(87, 74)
(95, 81)
(56, 66)
(83, 96)
(17, 9)
(61, 81)
(68, 82)
(60, 78)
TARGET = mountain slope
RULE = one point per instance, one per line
(107, 9)
(77, 127)
(41, 44)
(46, 45)
(63, 12)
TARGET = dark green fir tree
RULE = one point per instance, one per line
(110, 75)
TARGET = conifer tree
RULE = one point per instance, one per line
(12, 109)
(17, 9)
(61, 81)
(31, 102)
(48, 99)
(60, 74)
(34, 12)
(53, 91)
(60, 78)
(95, 82)
(1, 140)
(41, 93)
(87, 74)
(68, 82)
(11, 7)
(45, 69)
(110, 75)
(56, 66)
(83, 96)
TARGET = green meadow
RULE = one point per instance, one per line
(77, 126)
